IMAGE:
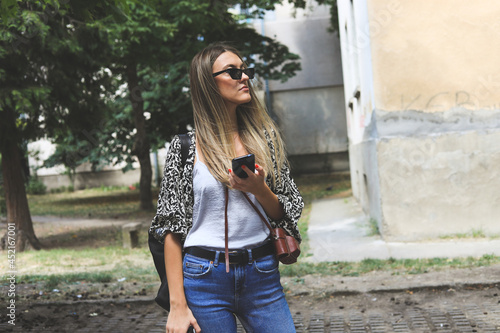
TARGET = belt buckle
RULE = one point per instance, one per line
(238, 253)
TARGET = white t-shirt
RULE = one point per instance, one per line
(245, 228)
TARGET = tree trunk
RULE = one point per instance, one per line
(141, 145)
(18, 212)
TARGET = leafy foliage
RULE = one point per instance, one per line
(49, 75)
(158, 45)
(72, 100)
(332, 4)
(334, 14)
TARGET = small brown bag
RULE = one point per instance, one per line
(287, 247)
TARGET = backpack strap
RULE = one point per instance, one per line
(185, 143)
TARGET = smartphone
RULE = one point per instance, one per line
(246, 160)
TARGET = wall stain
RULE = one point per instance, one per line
(441, 101)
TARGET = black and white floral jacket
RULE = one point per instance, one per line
(176, 197)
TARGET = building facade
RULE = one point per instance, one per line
(309, 107)
(422, 96)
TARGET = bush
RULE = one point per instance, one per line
(36, 186)
(62, 189)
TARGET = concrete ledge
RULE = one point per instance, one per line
(130, 234)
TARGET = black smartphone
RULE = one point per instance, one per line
(246, 160)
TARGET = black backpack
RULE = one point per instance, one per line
(157, 248)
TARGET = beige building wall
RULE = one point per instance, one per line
(423, 100)
(435, 55)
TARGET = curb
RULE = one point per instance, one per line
(352, 292)
(385, 282)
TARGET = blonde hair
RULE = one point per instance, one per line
(213, 124)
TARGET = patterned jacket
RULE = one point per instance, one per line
(176, 197)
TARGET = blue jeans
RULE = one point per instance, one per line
(252, 292)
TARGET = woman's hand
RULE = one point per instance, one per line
(255, 184)
(179, 320)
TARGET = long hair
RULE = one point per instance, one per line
(213, 125)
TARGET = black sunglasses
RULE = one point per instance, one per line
(236, 73)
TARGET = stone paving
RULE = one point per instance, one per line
(455, 316)
(470, 318)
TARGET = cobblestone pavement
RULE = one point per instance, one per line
(474, 310)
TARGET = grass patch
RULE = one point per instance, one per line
(396, 266)
(373, 228)
(474, 233)
(83, 238)
(106, 202)
(56, 267)
(56, 280)
(61, 260)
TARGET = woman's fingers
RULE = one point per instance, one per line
(252, 184)
(232, 178)
(247, 171)
(196, 327)
(260, 171)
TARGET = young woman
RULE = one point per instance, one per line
(191, 217)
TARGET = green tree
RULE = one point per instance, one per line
(135, 44)
(48, 80)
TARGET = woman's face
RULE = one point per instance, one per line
(234, 92)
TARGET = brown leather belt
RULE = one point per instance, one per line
(236, 257)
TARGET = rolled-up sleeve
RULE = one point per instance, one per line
(170, 213)
(289, 196)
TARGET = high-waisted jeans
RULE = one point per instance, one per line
(252, 292)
